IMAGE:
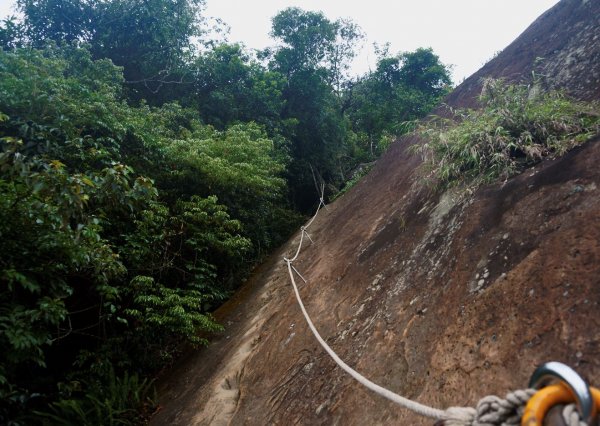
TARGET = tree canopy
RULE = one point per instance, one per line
(403, 87)
(152, 40)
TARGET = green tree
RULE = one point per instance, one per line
(310, 41)
(58, 20)
(306, 37)
(11, 33)
(151, 39)
(402, 88)
(244, 169)
(230, 87)
(313, 55)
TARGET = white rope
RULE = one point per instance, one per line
(411, 405)
(321, 204)
(308, 236)
(490, 411)
(299, 247)
(299, 274)
(304, 228)
(571, 416)
(405, 402)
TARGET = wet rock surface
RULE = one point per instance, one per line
(440, 297)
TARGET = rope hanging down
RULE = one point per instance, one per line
(490, 411)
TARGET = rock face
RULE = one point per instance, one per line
(560, 50)
(440, 297)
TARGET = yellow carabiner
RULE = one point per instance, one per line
(546, 398)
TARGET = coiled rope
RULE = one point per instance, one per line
(490, 411)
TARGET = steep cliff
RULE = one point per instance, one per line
(441, 297)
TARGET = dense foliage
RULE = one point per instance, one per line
(313, 53)
(145, 170)
(115, 241)
(402, 88)
(515, 128)
(151, 39)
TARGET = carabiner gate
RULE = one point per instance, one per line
(571, 388)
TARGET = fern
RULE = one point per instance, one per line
(118, 401)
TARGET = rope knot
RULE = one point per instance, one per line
(491, 411)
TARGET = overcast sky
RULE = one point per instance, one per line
(464, 33)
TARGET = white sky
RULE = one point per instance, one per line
(464, 33)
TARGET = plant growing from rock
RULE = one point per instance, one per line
(513, 130)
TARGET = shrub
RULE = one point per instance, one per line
(513, 130)
(121, 400)
(361, 172)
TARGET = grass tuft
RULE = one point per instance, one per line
(512, 131)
